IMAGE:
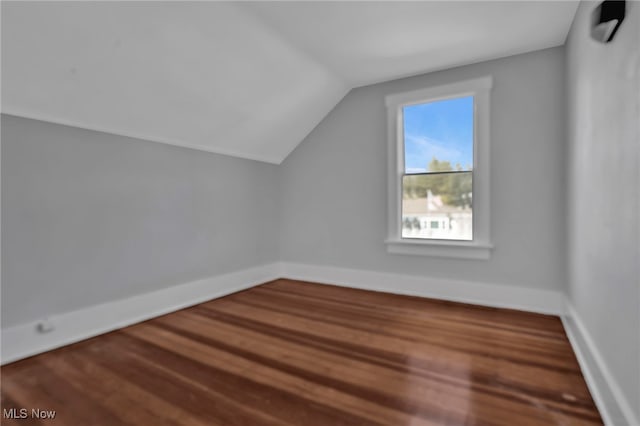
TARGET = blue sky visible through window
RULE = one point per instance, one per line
(440, 129)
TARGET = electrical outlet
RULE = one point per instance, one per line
(44, 326)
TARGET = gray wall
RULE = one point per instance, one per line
(603, 95)
(89, 217)
(334, 184)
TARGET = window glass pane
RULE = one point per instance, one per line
(440, 131)
(437, 206)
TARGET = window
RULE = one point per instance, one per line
(439, 170)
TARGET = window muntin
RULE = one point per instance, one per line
(437, 178)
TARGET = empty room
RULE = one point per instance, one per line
(319, 213)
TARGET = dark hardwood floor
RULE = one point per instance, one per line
(293, 353)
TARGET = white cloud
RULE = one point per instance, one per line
(427, 148)
(416, 170)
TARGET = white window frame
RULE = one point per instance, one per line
(480, 247)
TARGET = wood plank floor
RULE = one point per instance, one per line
(293, 353)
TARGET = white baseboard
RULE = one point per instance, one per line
(494, 295)
(614, 408)
(24, 340)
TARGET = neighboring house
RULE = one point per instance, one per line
(430, 217)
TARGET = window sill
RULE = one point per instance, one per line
(450, 249)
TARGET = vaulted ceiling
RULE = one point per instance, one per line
(249, 79)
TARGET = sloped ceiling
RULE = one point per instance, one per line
(247, 79)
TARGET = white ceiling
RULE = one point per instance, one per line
(246, 79)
